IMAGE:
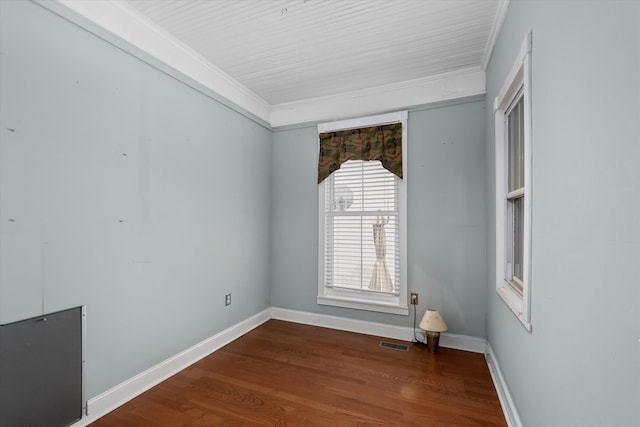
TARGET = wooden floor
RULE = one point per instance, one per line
(287, 374)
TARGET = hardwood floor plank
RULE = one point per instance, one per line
(287, 374)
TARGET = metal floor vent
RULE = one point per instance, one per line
(394, 346)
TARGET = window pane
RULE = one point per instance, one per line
(515, 135)
(357, 254)
(362, 228)
(362, 186)
(518, 237)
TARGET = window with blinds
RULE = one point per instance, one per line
(362, 228)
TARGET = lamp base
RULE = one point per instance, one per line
(433, 339)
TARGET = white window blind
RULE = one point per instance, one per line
(362, 228)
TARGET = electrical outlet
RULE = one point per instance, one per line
(414, 298)
(227, 299)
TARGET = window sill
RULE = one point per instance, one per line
(515, 302)
(359, 304)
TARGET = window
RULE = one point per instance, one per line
(362, 230)
(513, 187)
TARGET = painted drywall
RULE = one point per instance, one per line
(446, 215)
(127, 191)
(580, 366)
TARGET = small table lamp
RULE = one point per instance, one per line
(433, 324)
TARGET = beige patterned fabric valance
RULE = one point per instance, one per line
(382, 143)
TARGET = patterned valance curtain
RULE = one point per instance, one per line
(382, 143)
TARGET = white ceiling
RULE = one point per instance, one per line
(293, 50)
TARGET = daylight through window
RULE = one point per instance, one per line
(362, 224)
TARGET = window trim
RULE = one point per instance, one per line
(353, 299)
(519, 79)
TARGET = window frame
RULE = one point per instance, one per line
(364, 299)
(516, 294)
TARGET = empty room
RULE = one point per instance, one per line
(319, 213)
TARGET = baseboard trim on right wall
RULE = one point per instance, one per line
(508, 406)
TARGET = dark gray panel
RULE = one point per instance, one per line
(41, 370)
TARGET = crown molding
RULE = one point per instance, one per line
(132, 32)
(426, 90)
(119, 19)
(498, 20)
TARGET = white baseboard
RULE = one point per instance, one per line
(120, 394)
(508, 406)
(127, 390)
(342, 323)
(404, 333)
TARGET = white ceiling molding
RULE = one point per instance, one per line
(291, 50)
(444, 87)
(498, 19)
(119, 18)
(122, 21)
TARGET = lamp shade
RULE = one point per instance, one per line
(432, 321)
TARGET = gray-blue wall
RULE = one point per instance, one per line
(447, 264)
(127, 191)
(581, 364)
